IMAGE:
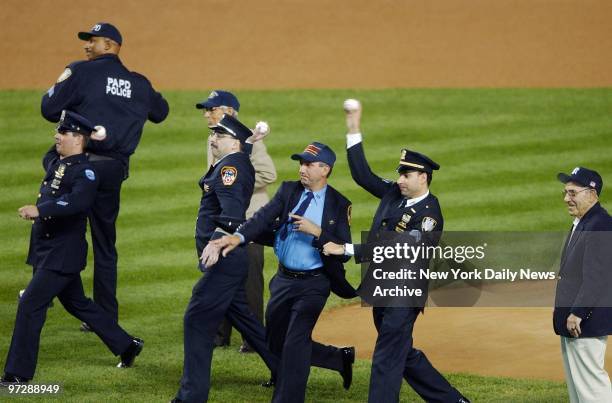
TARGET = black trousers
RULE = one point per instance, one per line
(219, 293)
(395, 357)
(32, 312)
(293, 309)
(254, 286)
(102, 219)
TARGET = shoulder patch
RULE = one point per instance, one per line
(65, 74)
(90, 174)
(428, 224)
(229, 175)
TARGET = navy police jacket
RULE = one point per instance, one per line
(107, 93)
(227, 188)
(335, 227)
(584, 287)
(68, 190)
(392, 214)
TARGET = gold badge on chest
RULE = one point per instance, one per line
(59, 174)
(403, 223)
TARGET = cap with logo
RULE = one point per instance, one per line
(232, 126)
(219, 98)
(103, 29)
(414, 161)
(583, 176)
(75, 123)
(316, 152)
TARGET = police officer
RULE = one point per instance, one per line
(306, 214)
(103, 89)
(58, 252)
(406, 205)
(226, 190)
(218, 103)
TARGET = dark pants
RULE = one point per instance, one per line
(220, 292)
(102, 220)
(395, 357)
(254, 290)
(32, 312)
(293, 309)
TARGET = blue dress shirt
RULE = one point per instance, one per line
(296, 251)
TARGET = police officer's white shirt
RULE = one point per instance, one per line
(353, 139)
(576, 221)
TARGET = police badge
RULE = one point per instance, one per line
(428, 224)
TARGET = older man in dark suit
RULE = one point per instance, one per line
(299, 220)
(583, 302)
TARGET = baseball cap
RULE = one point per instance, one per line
(232, 126)
(316, 152)
(73, 122)
(583, 176)
(103, 29)
(219, 98)
(414, 161)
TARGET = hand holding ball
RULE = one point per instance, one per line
(351, 105)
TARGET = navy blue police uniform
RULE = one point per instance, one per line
(298, 295)
(394, 354)
(104, 90)
(226, 191)
(58, 253)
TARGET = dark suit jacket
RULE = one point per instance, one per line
(585, 278)
(334, 225)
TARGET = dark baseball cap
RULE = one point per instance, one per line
(414, 161)
(220, 98)
(583, 176)
(232, 126)
(316, 152)
(103, 29)
(75, 123)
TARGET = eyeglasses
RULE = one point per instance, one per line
(572, 193)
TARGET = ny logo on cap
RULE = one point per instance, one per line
(213, 94)
(312, 149)
(97, 27)
(575, 171)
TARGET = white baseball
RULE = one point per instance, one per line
(351, 105)
(262, 127)
(99, 134)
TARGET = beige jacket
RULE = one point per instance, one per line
(265, 174)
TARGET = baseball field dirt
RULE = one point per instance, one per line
(243, 44)
(271, 44)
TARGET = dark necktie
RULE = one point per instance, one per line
(300, 211)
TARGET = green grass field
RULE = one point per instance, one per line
(499, 150)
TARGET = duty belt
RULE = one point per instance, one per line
(300, 273)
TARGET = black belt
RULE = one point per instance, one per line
(300, 273)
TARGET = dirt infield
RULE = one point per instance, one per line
(517, 342)
(192, 44)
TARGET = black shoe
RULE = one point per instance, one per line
(129, 355)
(245, 349)
(348, 358)
(10, 379)
(85, 328)
(269, 384)
(176, 400)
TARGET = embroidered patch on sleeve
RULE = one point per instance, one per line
(65, 74)
(229, 175)
(90, 174)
